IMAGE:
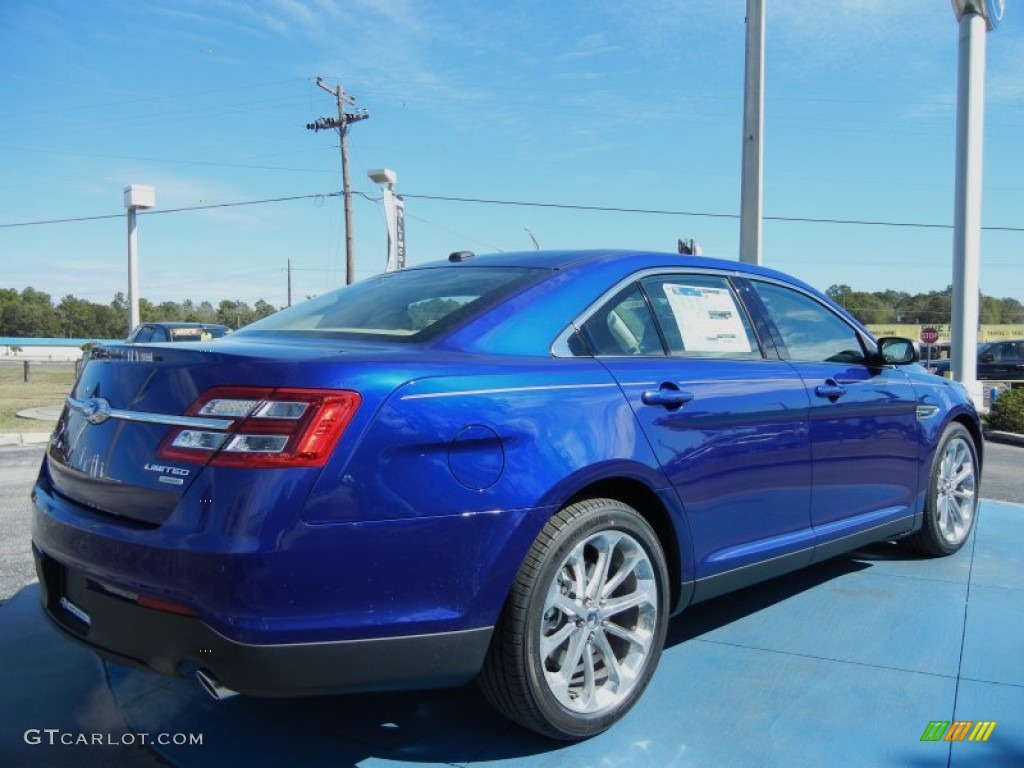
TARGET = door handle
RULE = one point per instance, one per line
(666, 396)
(830, 389)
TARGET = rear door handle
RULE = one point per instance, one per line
(830, 389)
(670, 397)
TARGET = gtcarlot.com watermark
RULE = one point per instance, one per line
(55, 737)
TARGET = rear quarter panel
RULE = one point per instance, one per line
(510, 446)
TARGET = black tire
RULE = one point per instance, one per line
(569, 665)
(951, 501)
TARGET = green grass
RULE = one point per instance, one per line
(48, 385)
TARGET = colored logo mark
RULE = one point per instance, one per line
(958, 730)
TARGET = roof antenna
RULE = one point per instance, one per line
(536, 245)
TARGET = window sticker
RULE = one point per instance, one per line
(708, 318)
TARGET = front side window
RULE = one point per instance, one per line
(409, 305)
(811, 332)
(700, 316)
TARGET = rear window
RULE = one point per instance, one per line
(409, 305)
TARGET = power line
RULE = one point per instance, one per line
(528, 204)
(174, 210)
(241, 202)
(702, 214)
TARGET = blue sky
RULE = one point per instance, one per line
(616, 104)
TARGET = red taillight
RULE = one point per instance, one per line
(269, 427)
(164, 605)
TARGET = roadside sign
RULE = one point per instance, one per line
(929, 335)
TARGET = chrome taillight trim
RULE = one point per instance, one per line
(91, 406)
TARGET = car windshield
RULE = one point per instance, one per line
(409, 305)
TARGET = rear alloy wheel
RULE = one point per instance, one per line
(951, 505)
(584, 625)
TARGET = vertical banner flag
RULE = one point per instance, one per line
(400, 231)
(394, 214)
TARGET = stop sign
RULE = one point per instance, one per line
(929, 335)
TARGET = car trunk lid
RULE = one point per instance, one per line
(130, 441)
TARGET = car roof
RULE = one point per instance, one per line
(571, 259)
(182, 324)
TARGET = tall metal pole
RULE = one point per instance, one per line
(135, 196)
(133, 271)
(967, 206)
(753, 140)
(289, 282)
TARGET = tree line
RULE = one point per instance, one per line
(32, 313)
(935, 307)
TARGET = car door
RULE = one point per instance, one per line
(865, 440)
(727, 424)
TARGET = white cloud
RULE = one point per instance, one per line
(589, 46)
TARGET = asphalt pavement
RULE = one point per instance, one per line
(1002, 476)
(842, 664)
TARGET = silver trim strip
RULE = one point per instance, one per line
(156, 418)
(503, 390)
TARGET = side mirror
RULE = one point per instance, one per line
(988, 357)
(894, 350)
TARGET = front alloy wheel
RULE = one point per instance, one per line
(584, 625)
(951, 504)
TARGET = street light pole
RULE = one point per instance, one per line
(135, 196)
(975, 18)
(752, 184)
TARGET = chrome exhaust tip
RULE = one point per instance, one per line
(213, 687)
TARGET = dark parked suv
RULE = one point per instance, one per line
(146, 333)
(997, 361)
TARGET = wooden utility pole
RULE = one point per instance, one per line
(341, 123)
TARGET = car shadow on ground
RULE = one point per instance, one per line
(455, 726)
(720, 611)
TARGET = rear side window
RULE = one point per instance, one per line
(811, 332)
(623, 326)
(409, 305)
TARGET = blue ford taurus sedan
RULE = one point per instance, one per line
(513, 468)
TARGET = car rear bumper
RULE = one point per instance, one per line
(118, 629)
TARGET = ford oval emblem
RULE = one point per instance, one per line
(96, 410)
